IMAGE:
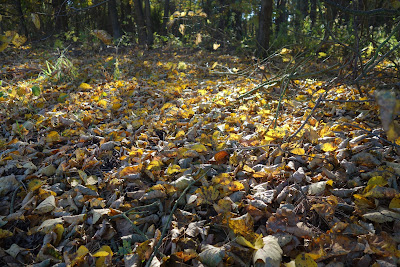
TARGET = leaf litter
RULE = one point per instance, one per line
(168, 165)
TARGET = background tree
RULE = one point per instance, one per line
(113, 14)
(265, 23)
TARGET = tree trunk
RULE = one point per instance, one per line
(113, 15)
(264, 30)
(149, 28)
(139, 18)
(21, 17)
(166, 17)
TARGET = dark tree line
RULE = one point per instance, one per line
(235, 24)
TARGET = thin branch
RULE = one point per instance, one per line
(346, 101)
(308, 117)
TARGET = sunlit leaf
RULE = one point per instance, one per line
(173, 169)
(327, 147)
(216, 46)
(79, 255)
(155, 165)
(182, 29)
(298, 151)
(85, 86)
(59, 230)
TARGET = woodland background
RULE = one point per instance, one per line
(199, 133)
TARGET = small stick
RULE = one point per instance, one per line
(308, 117)
(345, 101)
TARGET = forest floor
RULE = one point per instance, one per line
(150, 158)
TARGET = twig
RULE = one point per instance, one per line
(250, 147)
(14, 195)
(264, 84)
(166, 226)
(137, 230)
(309, 116)
(346, 101)
(381, 138)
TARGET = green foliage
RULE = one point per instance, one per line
(62, 70)
(35, 90)
(126, 248)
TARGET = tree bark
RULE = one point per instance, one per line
(149, 28)
(113, 15)
(140, 23)
(166, 17)
(21, 17)
(264, 30)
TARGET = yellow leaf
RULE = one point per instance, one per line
(154, 165)
(216, 46)
(298, 151)
(394, 203)
(101, 254)
(243, 225)
(59, 230)
(243, 241)
(327, 147)
(304, 260)
(198, 39)
(301, 97)
(35, 184)
(182, 65)
(397, 141)
(392, 133)
(85, 86)
(208, 194)
(116, 106)
(199, 148)
(18, 40)
(52, 137)
(259, 243)
(173, 169)
(235, 186)
(5, 233)
(377, 180)
(79, 255)
(180, 134)
(103, 103)
(182, 29)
